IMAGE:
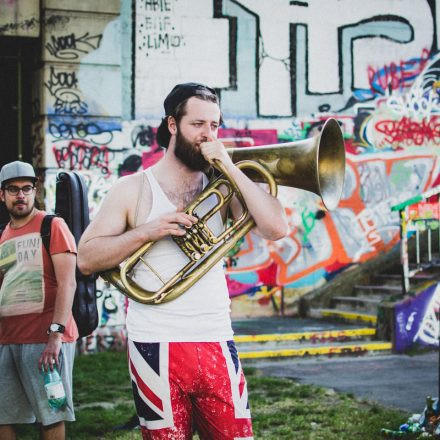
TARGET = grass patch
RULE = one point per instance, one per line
(281, 408)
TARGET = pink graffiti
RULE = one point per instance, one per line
(79, 155)
(150, 158)
(409, 131)
(246, 137)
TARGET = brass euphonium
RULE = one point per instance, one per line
(315, 164)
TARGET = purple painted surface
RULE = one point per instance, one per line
(416, 322)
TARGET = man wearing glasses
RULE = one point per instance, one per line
(37, 287)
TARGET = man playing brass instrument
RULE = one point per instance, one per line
(183, 362)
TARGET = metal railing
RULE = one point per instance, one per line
(417, 215)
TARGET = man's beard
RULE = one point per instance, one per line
(189, 154)
(17, 214)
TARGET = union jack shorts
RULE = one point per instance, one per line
(181, 386)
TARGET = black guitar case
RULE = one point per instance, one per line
(72, 205)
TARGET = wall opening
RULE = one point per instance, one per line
(17, 67)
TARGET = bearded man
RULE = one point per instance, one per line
(183, 362)
(37, 330)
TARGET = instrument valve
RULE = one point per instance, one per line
(195, 256)
(205, 248)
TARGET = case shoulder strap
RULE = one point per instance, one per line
(46, 225)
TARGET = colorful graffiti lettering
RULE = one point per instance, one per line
(397, 76)
(89, 130)
(81, 155)
(410, 132)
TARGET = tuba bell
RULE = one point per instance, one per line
(315, 164)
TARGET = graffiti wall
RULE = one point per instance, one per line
(281, 69)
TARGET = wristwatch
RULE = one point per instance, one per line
(55, 328)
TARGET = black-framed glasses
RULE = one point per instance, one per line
(14, 190)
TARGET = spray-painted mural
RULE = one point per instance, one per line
(281, 68)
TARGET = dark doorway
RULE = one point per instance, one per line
(17, 66)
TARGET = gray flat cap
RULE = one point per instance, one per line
(16, 170)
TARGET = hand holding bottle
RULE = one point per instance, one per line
(53, 384)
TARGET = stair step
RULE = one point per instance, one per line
(318, 336)
(348, 315)
(424, 265)
(357, 303)
(396, 276)
(388, 275)
(253, 327)
(347, 349)
(424, 276)
(378, 288)
(358, 299)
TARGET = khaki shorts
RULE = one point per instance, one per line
(23, 397)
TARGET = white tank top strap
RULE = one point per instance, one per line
(160, 202)
(205, 181)
(139, 199)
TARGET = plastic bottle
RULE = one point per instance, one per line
(56, 396)
(429, 406)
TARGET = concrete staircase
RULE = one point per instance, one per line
(363, 302)
(360, 302)
(301, 338)
(350, 316)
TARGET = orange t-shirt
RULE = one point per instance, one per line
(29, 286)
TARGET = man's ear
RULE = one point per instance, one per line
(172, 125)
(2, 195)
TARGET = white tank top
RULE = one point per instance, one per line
(202, 313)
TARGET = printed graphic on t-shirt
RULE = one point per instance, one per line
(21, 264)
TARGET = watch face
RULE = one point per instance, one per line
(58, 328)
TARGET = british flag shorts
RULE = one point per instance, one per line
(182, 387)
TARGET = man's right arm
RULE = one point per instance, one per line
(108, 241)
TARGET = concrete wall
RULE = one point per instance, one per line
(281, 67)
(20, 18)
